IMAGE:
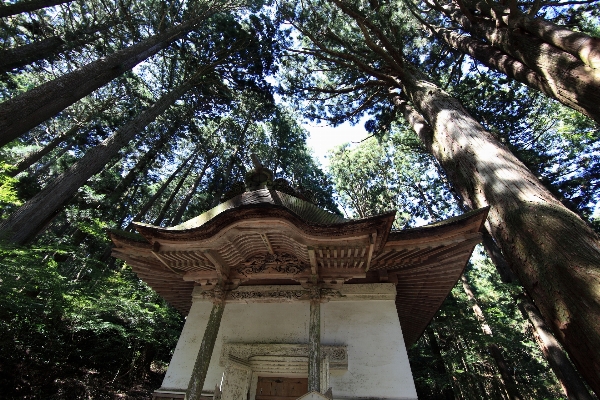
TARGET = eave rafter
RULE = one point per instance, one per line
(253, 244)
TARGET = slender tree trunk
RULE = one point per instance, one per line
(495, 352)
(148, 205)
(163, 211)
(30, 219)
(143, 163)
(447, 390)
(31, 108)
(557, 255)
(188, 197)
(34, 157)
(21, 56)
(27, 6)
(577, 84)
(44, 167)
(572, 384)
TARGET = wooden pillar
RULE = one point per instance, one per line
(196, 384)
(314, 341)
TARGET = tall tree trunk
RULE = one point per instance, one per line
(30, 219)
(496, 60)
(188, 197)
(579, 44)
(163, 211)
(21, 56)
(554, 253)
(27, 6)
(34, 157)
(495, 352)
(224, 179)
(148, 205)
(447, 390)
(143, 162)
(577, 84)
(558, 360)
(31, 108)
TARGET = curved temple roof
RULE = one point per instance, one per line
(268, 237)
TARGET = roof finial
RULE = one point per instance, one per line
(259, 177)
(256, 161)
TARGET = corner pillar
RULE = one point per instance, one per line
(314, 341)
(194, 390)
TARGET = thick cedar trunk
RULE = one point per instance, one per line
(495, 352)
(163, 211)
(31, 108)
(28, 5)
(148, 205)
(188, 197)
(447, 390)
(579, 44)
(554, 253)
(30, 219)
(577, 84)
(495, 59)
(21, 56)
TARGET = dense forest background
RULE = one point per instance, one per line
(115, 111)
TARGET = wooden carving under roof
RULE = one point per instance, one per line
(265, 236)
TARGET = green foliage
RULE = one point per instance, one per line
(452, 356)
(72, 328)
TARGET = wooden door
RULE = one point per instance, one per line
(274, 388)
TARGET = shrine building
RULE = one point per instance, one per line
(285, 300)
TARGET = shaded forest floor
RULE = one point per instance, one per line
(76, 383)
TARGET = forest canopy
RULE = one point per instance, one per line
(113, 111)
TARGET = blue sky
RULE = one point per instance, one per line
(324, 138)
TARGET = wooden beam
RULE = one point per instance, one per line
(372, 238)
(267, 243)
(220, 264)
(313, 260)
(164, 262)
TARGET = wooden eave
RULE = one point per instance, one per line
(424, 263)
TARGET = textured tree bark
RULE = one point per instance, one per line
(314, 341)
(21, 56)
(495, 59)
(577, 84)
(194, 390)
(26, 6)
(558, 360)
(30, 219)
(162, 189)
(31, 108)
(554, 253)
(579, 44)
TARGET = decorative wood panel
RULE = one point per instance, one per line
(280, 388)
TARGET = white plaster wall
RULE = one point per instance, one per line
(180, 368)
(377, 361)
